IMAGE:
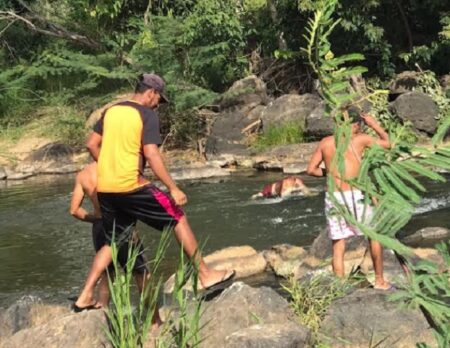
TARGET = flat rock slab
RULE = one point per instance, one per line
(270, 336)
(366, 317)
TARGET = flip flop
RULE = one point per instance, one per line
(220, 285)
(391, 287)
(77, 309)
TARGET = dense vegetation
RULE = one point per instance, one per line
(61, 59)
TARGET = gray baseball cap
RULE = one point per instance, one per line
(156, 82)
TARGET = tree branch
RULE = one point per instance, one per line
(47, 28)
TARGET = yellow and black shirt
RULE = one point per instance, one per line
(125, 128)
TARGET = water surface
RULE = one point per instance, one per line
(46, 252)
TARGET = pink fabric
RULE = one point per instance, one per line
(168, 204)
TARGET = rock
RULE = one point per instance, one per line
(284, 259)
(295, 168)
(445, 82)
(245, 94)
(317, 124)
(270, 336)
(277, 157)
(419, 109)
(53, 158)
(321, 247)
(366, 317)
(95, 116)
(20, 176)
(227, 135)
(51, 152)
(245, 260)
(83, 330)
(392, 269)
(432, 255)
(428, 235)
(3, 174)
(241, 307)
(28, 312)
(289, 108)
(190, 173)
(404, 82)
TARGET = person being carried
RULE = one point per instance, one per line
(126, 136)
(287, 187)
(86, 185)
(338, 228)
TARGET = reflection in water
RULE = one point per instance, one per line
(44, 251)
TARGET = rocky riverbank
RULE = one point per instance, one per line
(244, 111)
(244, 316)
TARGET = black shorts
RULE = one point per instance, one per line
(148, 204)
(99, 238)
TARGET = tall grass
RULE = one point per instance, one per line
(311, 299)
(129, 327)
(289, 133)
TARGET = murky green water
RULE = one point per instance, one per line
(44, 251)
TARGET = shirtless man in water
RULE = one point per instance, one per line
(338, 228)
(86, 185)
(283, 188)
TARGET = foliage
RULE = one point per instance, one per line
(311, 299)
(289, 133)
(128, 327)
(387, 177)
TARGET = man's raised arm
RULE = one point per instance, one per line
(383, 140)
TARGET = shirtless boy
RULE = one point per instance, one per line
(338, 228)
(283, 188)
(85, 185)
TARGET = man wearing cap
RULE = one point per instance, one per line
(126, 136)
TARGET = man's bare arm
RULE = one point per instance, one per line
(383, 140)
(314, 168)
(76, 210)
(154, 159)
(93, 144)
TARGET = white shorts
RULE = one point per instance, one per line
(338, 228)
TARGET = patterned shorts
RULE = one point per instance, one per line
(338, 227)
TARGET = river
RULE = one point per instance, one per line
(45, 252)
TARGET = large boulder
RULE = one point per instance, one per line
(237, 315)
(245, 94)
(289, 108)
(227, 133)
(419, 109)
(318, 125)
(197, 172)
(366, 318)
(406, 81)
(427, 235)
(83, 330)
(3, 174)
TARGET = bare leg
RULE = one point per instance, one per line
(338, 257)
(376, 251)
(142, 282)
(185, 236)
(101, 260)
(103, 290)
